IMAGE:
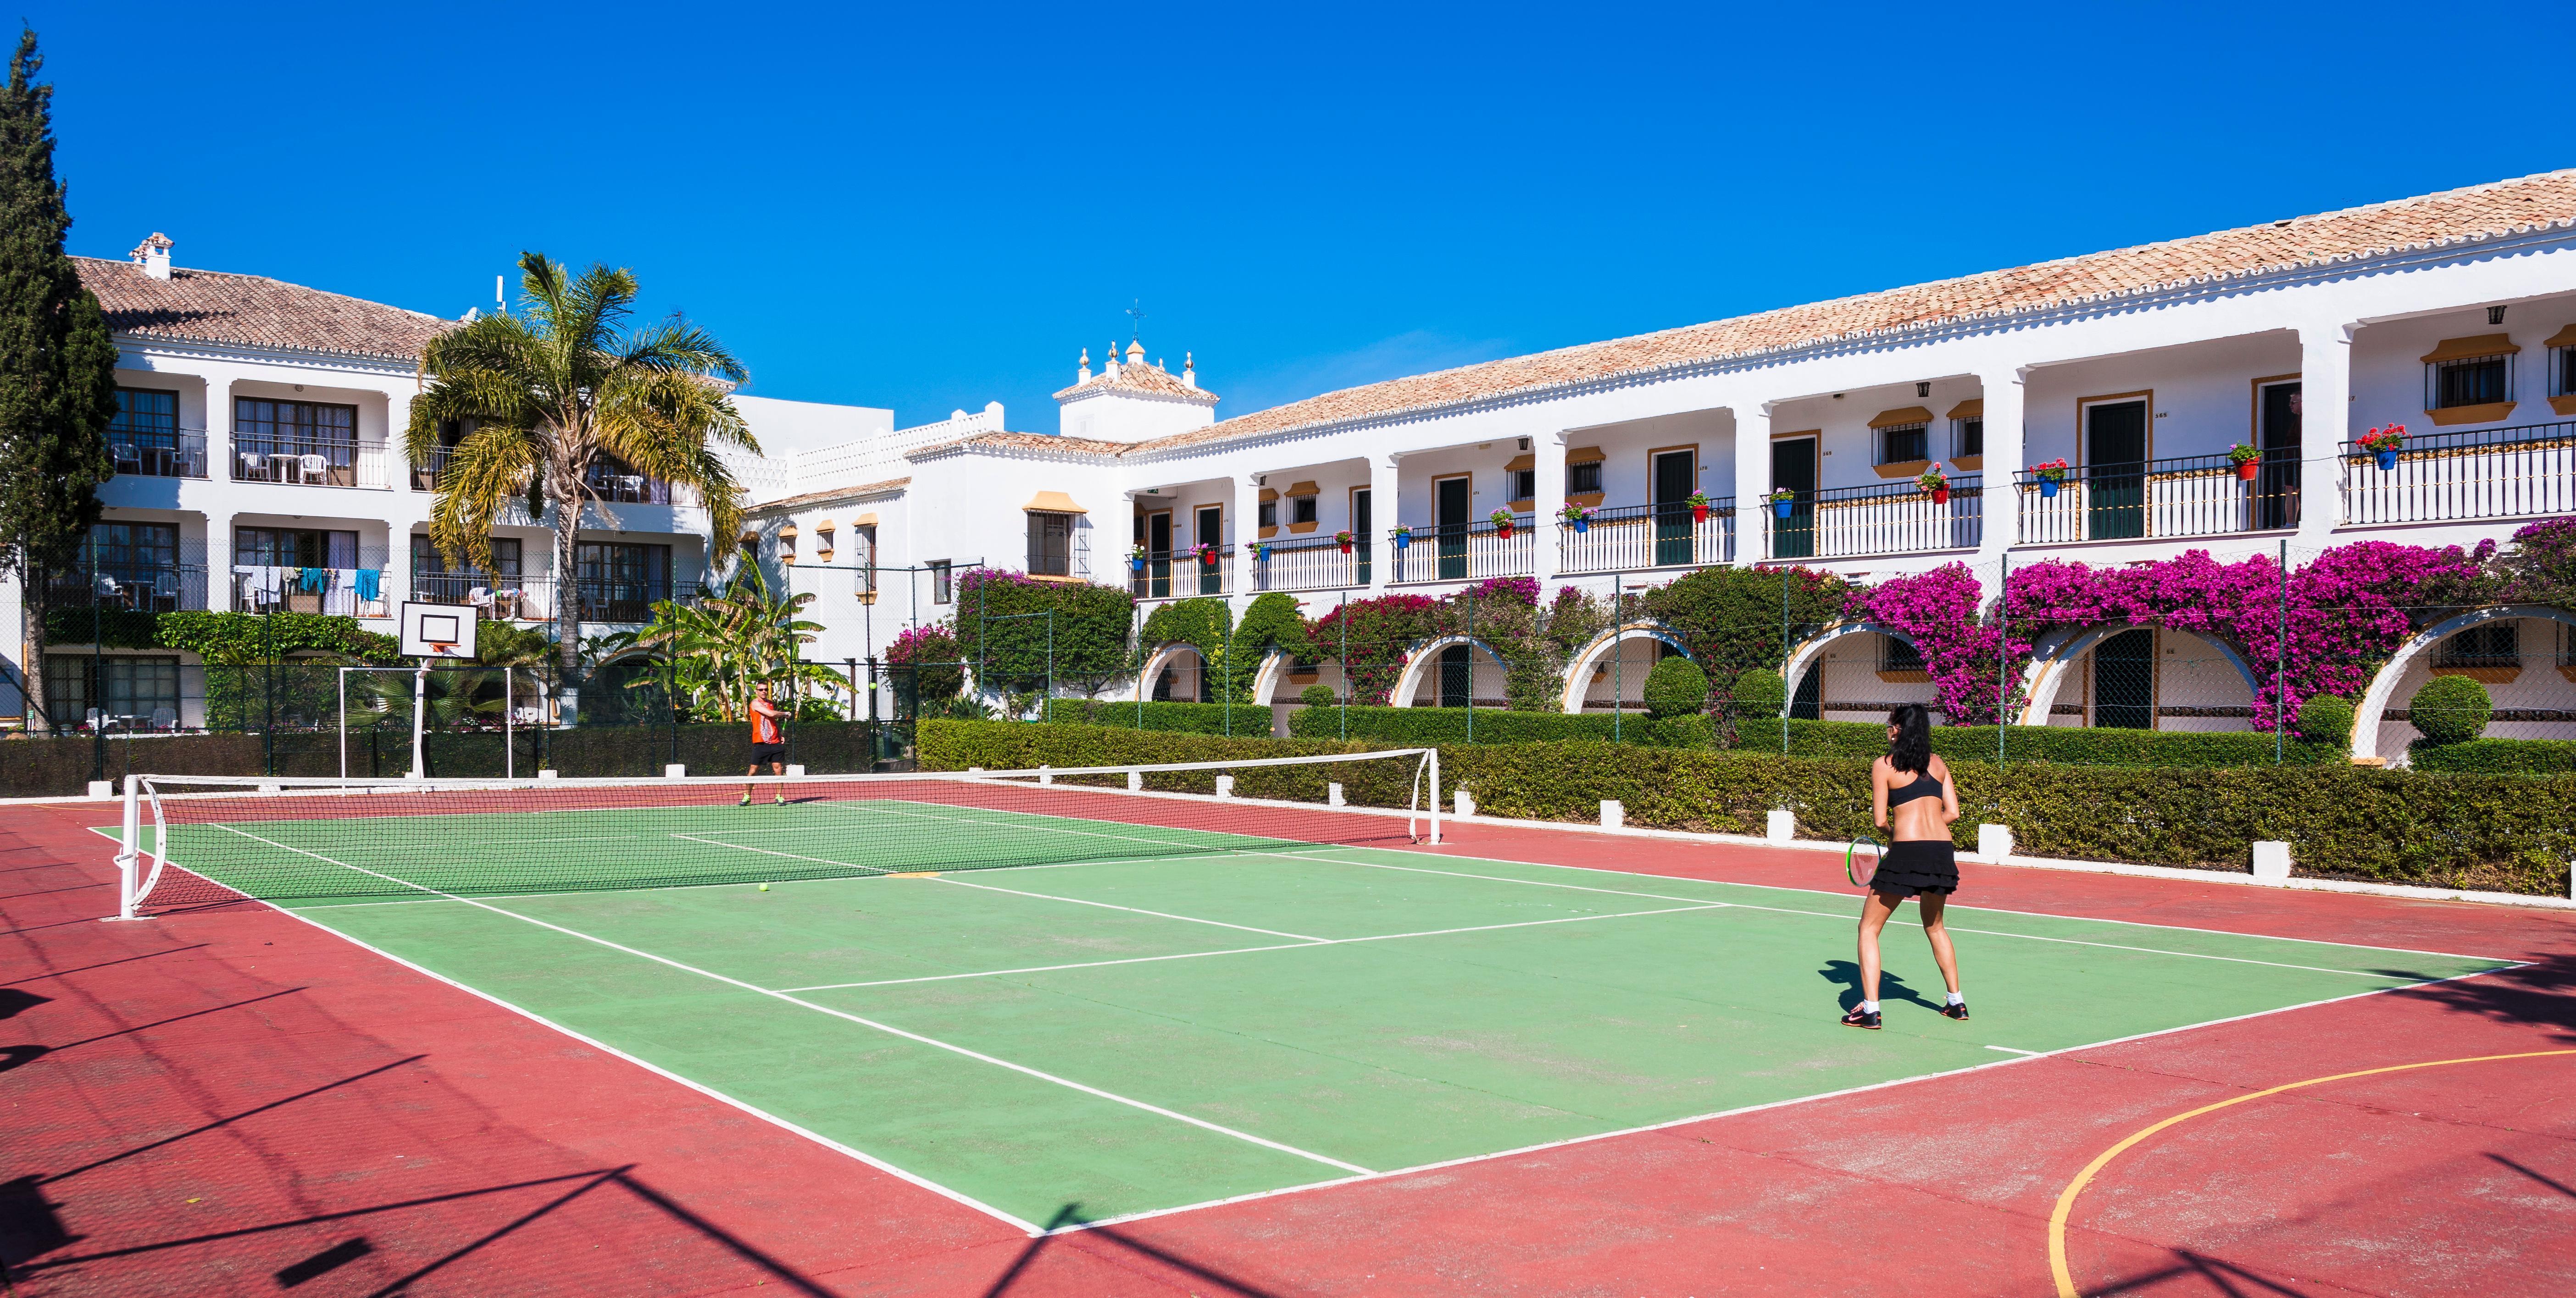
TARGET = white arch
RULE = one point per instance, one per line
(1161, 658)
(1810, 650)
(1273, 669)
(1578, 671)
(2045, 674)
(1422, 655)
(2374, 701)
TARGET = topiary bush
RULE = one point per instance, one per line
(1676, 688)
(2451, 709)
(2326, 719)
(1317, 696)
(1759, 692)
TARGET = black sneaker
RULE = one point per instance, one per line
(1956, 1010)
(1860, 1018)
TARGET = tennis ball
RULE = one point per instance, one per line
(764, 887)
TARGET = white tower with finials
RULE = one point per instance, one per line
(1133, 399)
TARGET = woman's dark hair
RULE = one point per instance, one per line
(1911, 750)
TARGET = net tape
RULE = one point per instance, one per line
(212, 839)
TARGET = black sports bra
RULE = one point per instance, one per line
(1924, 786)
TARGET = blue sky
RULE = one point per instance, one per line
(928, 207)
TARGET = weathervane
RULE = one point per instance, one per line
(1137, 312)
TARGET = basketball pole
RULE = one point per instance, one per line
(419, 717)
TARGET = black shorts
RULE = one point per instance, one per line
(768, 753)
(1915, 866)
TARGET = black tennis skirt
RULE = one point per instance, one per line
(1915, 866)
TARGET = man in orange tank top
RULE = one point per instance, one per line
(768, 742)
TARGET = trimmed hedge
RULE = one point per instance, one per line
(2499, 833)
(1420, 727)
(2326, 719)
(1250, 720)
(2496, 756)
(2451, 709)
(2063, 744)
(1002, 746)
(1676, 687)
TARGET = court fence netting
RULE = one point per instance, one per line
(197, 840)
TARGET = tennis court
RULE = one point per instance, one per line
(1137, 1004)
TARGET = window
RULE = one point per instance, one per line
(297, 427)
(2469, 383)
(144, 436)
(1967, 437)
(2488, 644)
(787, 544)
(863, 556)
(1050, 544)
(1896, 655)
(617, 581)
(144, 691)
(2465, 373)
(294, 547)
(144, 412)
(1270, 513)
(1583, 479)
(940, 588)
(1301, 510)
(1524, 485)
(1904, 443)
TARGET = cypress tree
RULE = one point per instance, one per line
(57, 370)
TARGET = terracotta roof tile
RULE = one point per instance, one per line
(254, 311)
(1139, 377)
(827, 496)
(1024, 442)
(2480, 211)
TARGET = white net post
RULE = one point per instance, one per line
(130, 850)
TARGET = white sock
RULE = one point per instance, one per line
(1957, 999)
(1869, 1007)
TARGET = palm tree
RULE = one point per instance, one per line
(731, 642)
(546, 394)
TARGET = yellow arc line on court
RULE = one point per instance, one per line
(2066, 1200)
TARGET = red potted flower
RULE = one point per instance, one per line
(1699, 506)
(1343, 539)
(2051, 475)
(1936, 482)
(2383, 444)
(1502, 523)
(1207, 556)
(2247, 460)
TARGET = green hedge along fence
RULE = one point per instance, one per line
(2496, 756)
(2091, 746)
(1417, 727)
(2506, 833)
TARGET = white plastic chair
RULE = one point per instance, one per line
(164, 719)
(316, 468)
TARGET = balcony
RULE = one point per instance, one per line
(1313, 564)
(500, 596)
(341, 592)
(1633, 537)
(136, 586)
(2473, 474)
(177, 453)
(309, 461)
(607, 600)
(1179, 574)
(1464, 551)
(1849, 522)
(2200, 495)
(612, 485)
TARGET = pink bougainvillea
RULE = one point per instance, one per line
(2343, 613)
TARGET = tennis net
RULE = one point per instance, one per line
(192, 840)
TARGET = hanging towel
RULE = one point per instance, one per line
(367, 580)
(312, 579)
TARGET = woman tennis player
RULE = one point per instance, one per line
(1912, 798)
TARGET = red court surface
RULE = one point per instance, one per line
(230, 1101)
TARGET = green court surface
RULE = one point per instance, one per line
(1132, 1035)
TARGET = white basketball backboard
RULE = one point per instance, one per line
(428, 627)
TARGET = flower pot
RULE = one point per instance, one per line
(1207, 558)
(2387, 459)
(1136, 566)
(1403, 539)
(1781, 508)
(1699, 513)
(1262, 554)
(1582, 525)
(2048, 488)
(2245, 469)
(1940, 495)
(1503, 530)
(1346, 547)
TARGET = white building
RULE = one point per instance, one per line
(2453, 314)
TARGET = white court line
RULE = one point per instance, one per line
(1248, 950)
(1136, 910)
(886, 1028)
(2010, 1051)
(744, 847)
(1787, 910)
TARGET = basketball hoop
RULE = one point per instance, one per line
(441, 649)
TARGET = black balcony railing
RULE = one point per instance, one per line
(620, 488)
(630, 601)
(1846, 521)
(1168, 573)
(309, 461)
(2476, 473)
(158, 454)
(133, 586)
(2197, 495)
(499, 596)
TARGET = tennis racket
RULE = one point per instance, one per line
(1860, 860)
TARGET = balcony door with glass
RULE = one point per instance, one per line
(1451, 500)
(1209, 530)
(1360, 533)
(145, 440)
(1154, 532)
(1676, 477)
(294, 441)
(2276, 484)
(2115, 470)
(1793, 469)
(618, 582)
(2124, 681)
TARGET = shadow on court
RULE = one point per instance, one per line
(2541, 994)
(1071, 1215)
(1891, 987)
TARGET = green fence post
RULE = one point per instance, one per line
(2003, 659)
(1618, 653)
(97, 669)
(2281, 665)
(1345, 620)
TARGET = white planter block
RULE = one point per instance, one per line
(1333, 795)
(1224, 785)
(1045, 776)
(1463, 802)
(1135, 781)
(676, 771)
(2272, 862)
(1613, 814)
(1994, 842)
(796, 768)
(102, 789)
(1780, 826)
(548, 773)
